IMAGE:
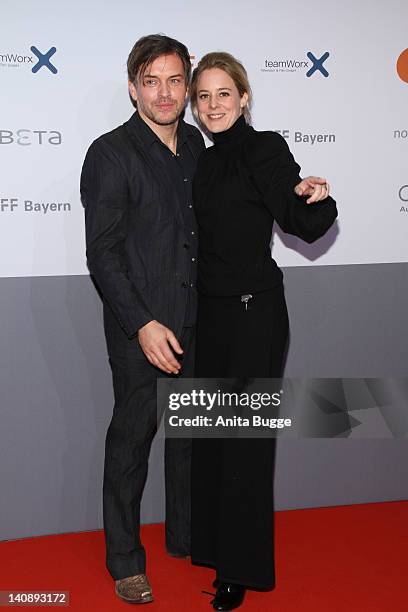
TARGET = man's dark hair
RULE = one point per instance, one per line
(148, 48)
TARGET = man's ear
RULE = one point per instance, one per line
(132, 91)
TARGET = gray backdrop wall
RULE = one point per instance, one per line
(56, 396)
(347, 320)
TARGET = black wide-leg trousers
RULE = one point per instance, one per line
(128, 441)
(232, 479)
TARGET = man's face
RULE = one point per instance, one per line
(161, 92)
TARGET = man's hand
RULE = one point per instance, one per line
(154, 339)
(317, 188)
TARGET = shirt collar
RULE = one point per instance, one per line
(149, 137)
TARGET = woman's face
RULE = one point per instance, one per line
(218, 101)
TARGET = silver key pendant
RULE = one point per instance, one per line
(245, 299)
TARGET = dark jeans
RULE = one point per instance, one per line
(128, 442)
(232, 479)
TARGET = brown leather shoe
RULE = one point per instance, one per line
(135, 589)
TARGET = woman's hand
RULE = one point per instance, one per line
(313, 186)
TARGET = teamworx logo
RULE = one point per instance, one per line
(312, 65)
(317, 64)
(15, 60)
(44, 60)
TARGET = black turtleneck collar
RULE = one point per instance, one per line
(234, 135)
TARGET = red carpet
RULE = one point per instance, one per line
(328, 559)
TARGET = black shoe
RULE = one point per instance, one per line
(228, 596)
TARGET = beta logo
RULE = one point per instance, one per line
(402, 66)
(17, 60)
(26, 138)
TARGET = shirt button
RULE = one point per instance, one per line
(193, 259)
(192, 233)
(191, 285)
(178, 154)
(186, 180)
(190, 206)
(184, 285)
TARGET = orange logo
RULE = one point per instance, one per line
(402, 66)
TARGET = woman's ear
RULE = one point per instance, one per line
(244, 100)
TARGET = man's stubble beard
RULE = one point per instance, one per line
(159, 121)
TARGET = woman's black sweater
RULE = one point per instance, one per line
(242, 184)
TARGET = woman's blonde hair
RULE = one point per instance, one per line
(230, 65)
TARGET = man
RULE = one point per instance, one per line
(136, 186)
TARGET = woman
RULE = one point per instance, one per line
(242, 183)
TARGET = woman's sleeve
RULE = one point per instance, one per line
(275, 174)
